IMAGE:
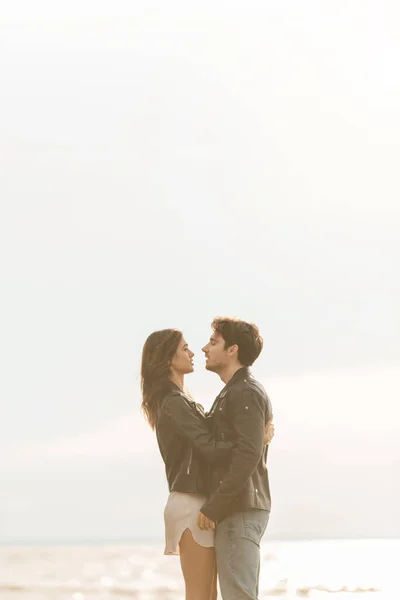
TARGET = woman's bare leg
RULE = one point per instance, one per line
(214, 592)
(198, 568)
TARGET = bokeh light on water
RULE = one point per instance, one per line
(299, 569)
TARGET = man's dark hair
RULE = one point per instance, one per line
(245, 335)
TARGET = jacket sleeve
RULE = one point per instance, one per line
(248, 422)
(191, 424)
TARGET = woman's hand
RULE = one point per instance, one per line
(269, 432)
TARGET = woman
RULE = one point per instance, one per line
(188, 449)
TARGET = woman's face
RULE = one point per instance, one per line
(182, 361)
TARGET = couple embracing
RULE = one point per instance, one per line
(219, 502)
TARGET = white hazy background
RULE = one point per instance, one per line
(166, 162)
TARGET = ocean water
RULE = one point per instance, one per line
(339, 569)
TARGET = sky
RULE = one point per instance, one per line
(164, 163)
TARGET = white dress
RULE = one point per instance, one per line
(181, 513)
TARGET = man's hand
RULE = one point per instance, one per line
(204, 523)
(269, 432)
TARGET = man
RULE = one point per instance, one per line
(239, 503)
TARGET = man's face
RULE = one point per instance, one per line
(217, 358)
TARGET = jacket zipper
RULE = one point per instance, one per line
(190, 461)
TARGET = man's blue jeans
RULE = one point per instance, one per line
(237, 545)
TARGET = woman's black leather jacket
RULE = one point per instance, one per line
(186, 445)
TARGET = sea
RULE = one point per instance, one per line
(341, 569)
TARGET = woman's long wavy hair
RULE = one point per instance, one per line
(157, 354)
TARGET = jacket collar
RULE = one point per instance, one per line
(240, 375)
(176, 389)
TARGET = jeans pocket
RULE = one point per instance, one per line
(255, 523)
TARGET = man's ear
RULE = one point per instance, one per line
(234, 349)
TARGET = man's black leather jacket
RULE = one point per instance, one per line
(239, 481)
(186, 444)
